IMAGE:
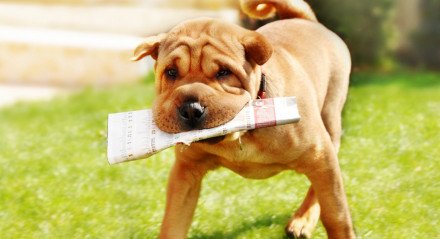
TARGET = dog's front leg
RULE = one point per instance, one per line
(327, 183)
(182, 194)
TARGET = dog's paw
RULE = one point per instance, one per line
(300, 228)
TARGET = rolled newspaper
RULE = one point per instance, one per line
(134, 135)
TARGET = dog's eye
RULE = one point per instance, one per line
(223, 73)
(172, 73)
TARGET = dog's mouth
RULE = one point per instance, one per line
(195, 115)
(184, 112)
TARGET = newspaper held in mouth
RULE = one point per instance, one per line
(134, 135)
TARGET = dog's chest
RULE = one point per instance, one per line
(256, 156)
(250, 162)
(256, 168)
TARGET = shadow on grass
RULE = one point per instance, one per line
(412, 79)
(261, 222)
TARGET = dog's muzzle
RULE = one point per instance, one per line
(191, 115)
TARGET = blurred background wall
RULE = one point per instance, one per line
(71, 43)
(89, 42)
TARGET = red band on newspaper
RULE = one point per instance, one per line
(264, 113)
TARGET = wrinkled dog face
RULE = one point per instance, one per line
(206, 71)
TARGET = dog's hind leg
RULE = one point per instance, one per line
(325, 176)
(304, 221)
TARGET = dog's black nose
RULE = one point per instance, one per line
(191, 114)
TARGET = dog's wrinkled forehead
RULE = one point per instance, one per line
(204, 31)
(192, 42)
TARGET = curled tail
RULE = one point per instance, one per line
(262, 9)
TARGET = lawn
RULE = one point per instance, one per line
(56, 182)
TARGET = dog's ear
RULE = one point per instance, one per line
(257, 47)
(149, 47)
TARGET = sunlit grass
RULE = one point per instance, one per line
(56, 182)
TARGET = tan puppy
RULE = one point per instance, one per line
(206, 70)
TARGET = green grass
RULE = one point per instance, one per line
(56, 182)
